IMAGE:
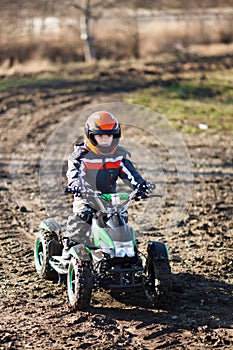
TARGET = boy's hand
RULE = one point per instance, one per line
(74, 190)
(146, 187)
(139, 195)
(77, 191)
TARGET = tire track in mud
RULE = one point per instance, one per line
(35, 313)
(25, 295)
(24, 146)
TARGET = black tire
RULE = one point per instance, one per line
(79, 284)
(41, 255)
(158, 282)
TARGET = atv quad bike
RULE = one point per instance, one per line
(111, 261)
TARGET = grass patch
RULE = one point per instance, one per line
(189, 102)
(186, 97)
(20, 83)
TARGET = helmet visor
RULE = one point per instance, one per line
(105, 132)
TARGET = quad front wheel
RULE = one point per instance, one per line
(158, 282)
(79, 284)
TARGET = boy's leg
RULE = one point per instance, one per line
(76, 229)
(78, 226)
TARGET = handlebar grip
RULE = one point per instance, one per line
(156, 195)
(79, 191)
(68, 190)
(72, 190)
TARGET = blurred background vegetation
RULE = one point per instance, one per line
(62, 31)
(174, 56)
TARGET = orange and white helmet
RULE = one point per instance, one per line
(100, 123)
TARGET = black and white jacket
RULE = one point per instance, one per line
(101, 171)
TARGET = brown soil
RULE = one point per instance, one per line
(35, 313)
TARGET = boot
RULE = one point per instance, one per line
(66, 248)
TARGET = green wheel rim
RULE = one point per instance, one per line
(72, 283)
(39, 255)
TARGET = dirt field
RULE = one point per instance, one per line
(35, 313)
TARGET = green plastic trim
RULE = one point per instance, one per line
(37, 260)
(73, 252)
(108, 196)
(70, 290)
(44, 227)
(102, 234)
(88, 250)
(134, 238)
(166, 250)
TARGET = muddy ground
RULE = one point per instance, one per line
(35, 313)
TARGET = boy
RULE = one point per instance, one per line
(97, 163)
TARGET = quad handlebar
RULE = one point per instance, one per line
(88, 192)
(111, 203)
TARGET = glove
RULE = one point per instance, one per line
(143, 190)
(86, 215)
(146, 187)
(77, 191)
(140, 195)
(69, 190)
(74, 190)
(78, 187)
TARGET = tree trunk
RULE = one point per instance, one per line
(89, 52)
(135, 36)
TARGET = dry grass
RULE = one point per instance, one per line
(31, 66)
(117, 39)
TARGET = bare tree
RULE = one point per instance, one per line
(91, 10)
(130, 19)
(19, 21)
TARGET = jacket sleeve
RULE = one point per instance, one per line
(72, 173)
(129, 174)
(75, 170)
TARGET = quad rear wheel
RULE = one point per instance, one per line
(42, 255)
(79, 284)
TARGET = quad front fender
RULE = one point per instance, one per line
(80, 252)
(157, 250)
(50, 225)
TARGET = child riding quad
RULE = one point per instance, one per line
(99, 248)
